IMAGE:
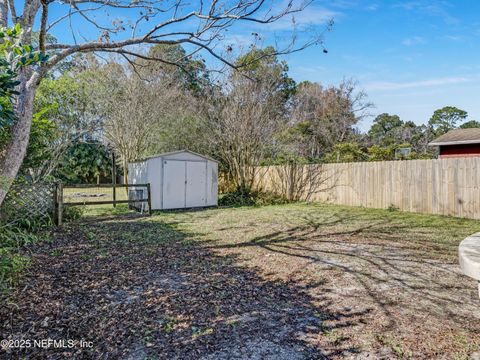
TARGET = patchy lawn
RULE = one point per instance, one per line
(277, 282)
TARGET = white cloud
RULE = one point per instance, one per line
(415, 84)
(426, 7)
(344, 4)
(308, 72)
(455, 37)
(415, 40)
(311, 16)
(408, 5)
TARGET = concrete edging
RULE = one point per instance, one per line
(469, 257)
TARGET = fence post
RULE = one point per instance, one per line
(114, 179)
(149, 200)
(60, 204)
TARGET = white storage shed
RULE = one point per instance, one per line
(179, 179)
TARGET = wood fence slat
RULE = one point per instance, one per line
(439, 186)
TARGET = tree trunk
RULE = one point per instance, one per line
(125, 174)
(3, 13)
(13, 154)
(125, 170)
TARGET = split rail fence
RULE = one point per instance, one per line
(47, 201)
(442, 186)
(138, 196)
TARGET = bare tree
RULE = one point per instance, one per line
(198, 24)
(180, 125)
(242, 121)
(132, 109)
(325, 116)
(296, 181)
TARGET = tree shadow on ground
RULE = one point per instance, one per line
(142, 289)
(407, 283)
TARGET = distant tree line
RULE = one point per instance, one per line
(389, 134)
(92, 107)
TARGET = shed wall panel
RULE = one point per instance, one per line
(155, 180)
(196, 183)
(212, 183)
(173, 184)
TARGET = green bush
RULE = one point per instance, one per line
(345, 152)
(250, 198)
(269, 198)
(12, 259)
(33, 224)
(393, 208)
(11, 264)
(73, 212)
(236, 198)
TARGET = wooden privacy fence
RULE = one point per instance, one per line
(443, 186)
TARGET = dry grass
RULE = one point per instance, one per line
(277, 282)
(93, 194)
(394, 276)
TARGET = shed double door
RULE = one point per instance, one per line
(184, 184)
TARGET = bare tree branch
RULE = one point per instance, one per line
(213, 19)
(175, 22)
(70, 14)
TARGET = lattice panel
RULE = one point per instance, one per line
(29, 201)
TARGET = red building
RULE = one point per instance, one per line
(458, 143)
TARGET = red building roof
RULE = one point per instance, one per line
(458, 143)
(458, 137)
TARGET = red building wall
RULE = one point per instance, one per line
(463, 150)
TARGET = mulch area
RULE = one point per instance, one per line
(208, 286)
(166, 299)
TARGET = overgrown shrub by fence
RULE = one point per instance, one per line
(443, 186)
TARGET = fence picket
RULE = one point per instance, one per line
(443, 186)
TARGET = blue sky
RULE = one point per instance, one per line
(411, 57)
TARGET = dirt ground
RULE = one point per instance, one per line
(295, 281)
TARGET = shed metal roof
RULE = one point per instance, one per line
(458, 136)
(173, 153)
